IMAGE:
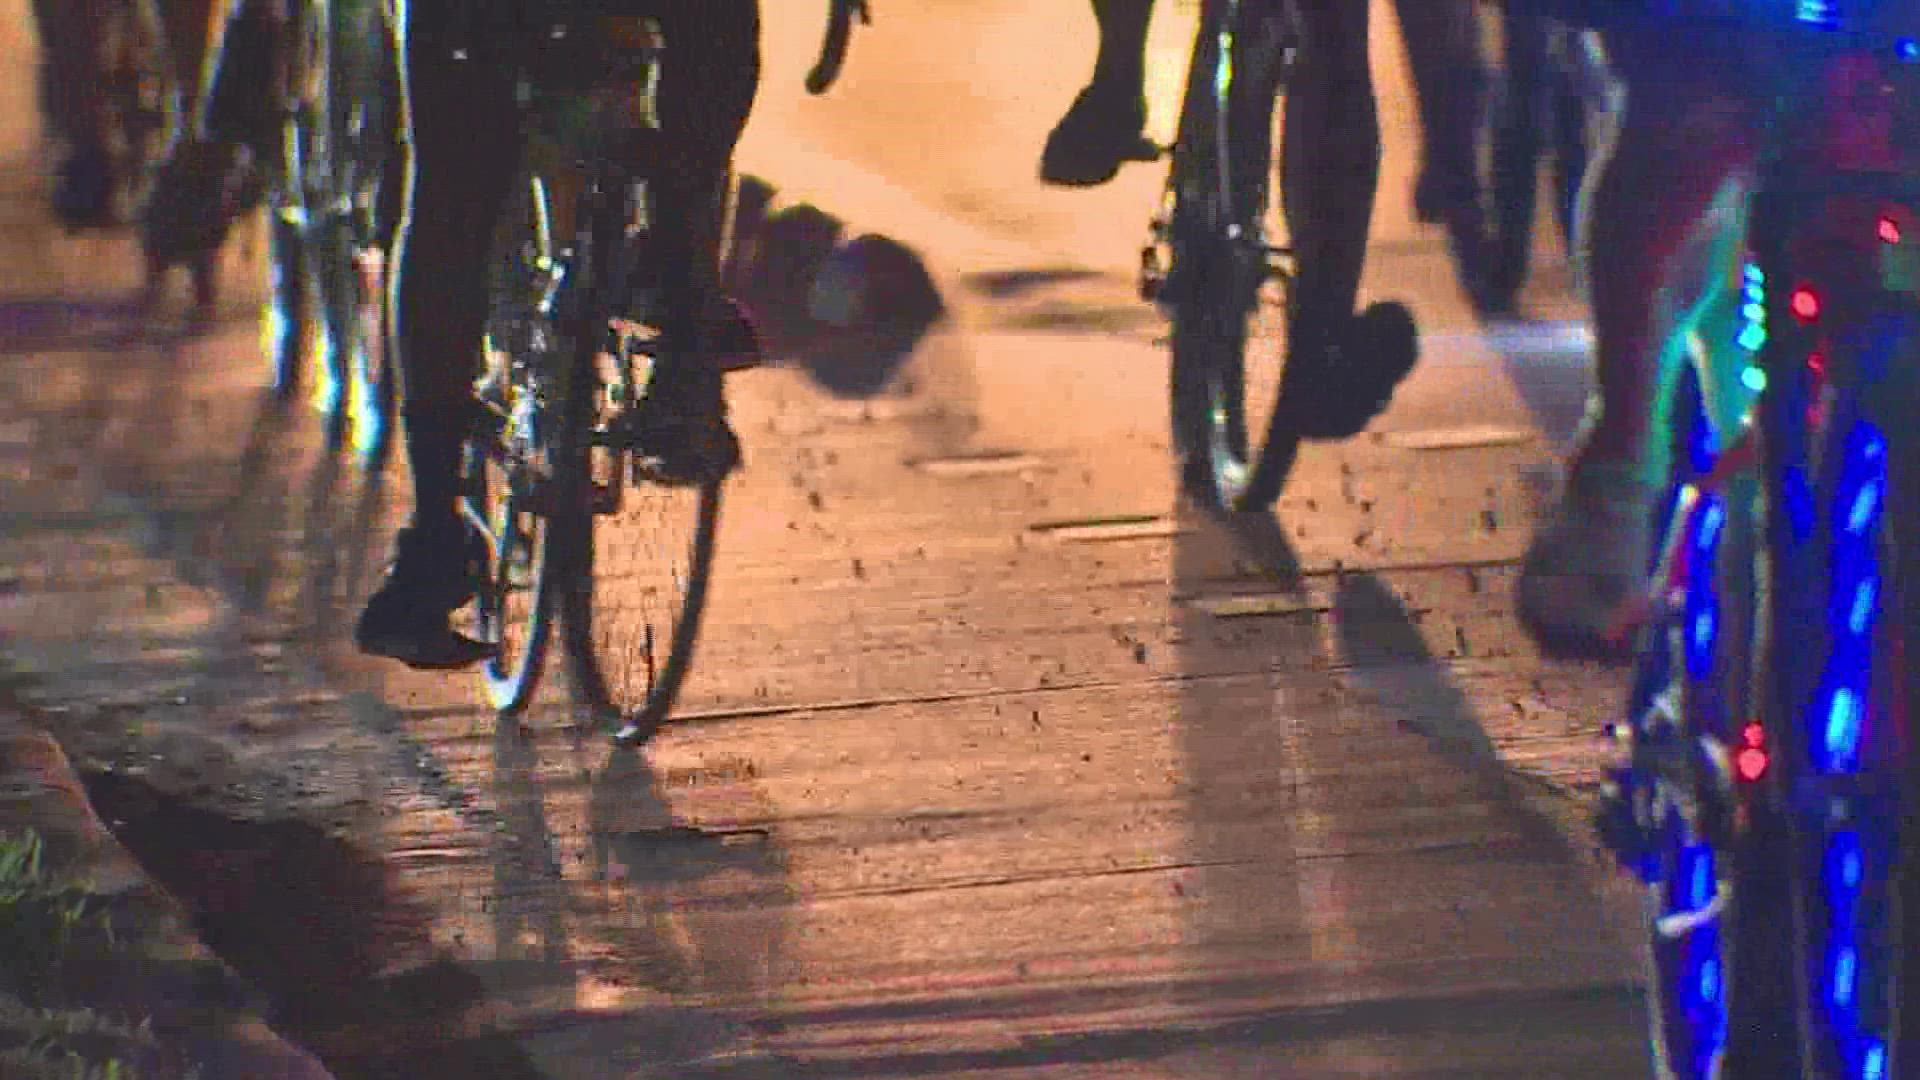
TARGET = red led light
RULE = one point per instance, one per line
(1817, 363)
(1804, 304)
(1751, 761)
(1889, 230)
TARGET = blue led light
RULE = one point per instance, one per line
(1873, 1063)
(1846, 967)
(1850, 869)
(1753, 274)
(1862, 610)
(1907, 49)
(1710, 981)
(1860, 514)
(1843, 722)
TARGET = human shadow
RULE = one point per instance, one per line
(1345, 874)
(850, 312)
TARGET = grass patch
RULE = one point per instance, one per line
(50, 924)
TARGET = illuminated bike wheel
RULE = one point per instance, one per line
(1842, 699)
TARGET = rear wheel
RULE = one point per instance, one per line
(1225, 290)
(644, 564)
(518, 459)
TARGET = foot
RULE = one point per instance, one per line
(83, 193)
(409, 617)
(1100, 132)
(1584, 580)
(1338, 379)
(680, 433)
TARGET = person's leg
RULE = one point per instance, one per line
(1103, 128)
(461, 106)
(1340, 370)
(75, 110)
(1516, 142)
(1684, 134)
(707, 86)
(1442, 42)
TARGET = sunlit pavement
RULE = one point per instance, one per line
(994, 760)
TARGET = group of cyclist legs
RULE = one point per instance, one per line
(1686, 130)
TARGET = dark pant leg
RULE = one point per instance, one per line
(70, 69)
(707, 85)
(1442, 40)
(1330, 159)
(1518, 132)
(465, 147)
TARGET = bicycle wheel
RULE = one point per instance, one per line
(1225, 289)
(519, 461)
(1840, 686)
(632, 615)
(1673, 812)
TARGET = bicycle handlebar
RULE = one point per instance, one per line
(833, 51)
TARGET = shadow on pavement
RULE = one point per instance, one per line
(1340, 870)
(242, 495)
(848, 311)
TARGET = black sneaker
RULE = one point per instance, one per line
(409, 617)
(680, 433)
(1337, 380)
(83, 192)
(1100, 132)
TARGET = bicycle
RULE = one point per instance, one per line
(1207, 261)
(1765, 794)
(333, 209)
(552, 488)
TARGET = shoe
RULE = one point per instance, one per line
(1584, 579)
(83, 194)
(679, 430)
(409, 617)
(1100, 132)
(1338, 379)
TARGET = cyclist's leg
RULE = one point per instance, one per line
(1442, 42)
(70, 76)
(706, 91)
(1686, 131)
(1517, 139)
(458, 181)
(1341, 370)
(1103, 127)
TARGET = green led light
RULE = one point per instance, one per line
(1753, 379)
(1753, 337)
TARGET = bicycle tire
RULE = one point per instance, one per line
(331, 218)
(522, 457)
(1220, 263)
(1672, 811)
(1840, 698)
(602, 660)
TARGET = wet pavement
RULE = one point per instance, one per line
(995, 760)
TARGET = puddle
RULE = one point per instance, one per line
(318, 925)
